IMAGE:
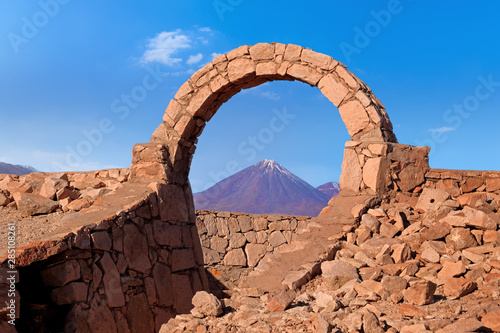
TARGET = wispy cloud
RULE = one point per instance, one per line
(215, 54)
(164, 45)
(194, 59)
(269, 95)
(443, 129)
(205, 29)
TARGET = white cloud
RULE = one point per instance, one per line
(443, 129)
(215, 54)
(205, 29)
(193, 59)
(164, 45)
(269, 95)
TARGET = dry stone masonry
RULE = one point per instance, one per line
(129, 269)
(403, 248)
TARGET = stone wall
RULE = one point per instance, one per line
(383, 167)
(130, 271)
(461, 182)
(238, 239)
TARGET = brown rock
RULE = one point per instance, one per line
(336, 273)
(417, 328)
(401, 253)
(472, 184)
(112, 283)
(182, 259)
(101, 240)
(451, 269)
(78, 204)
(163, 282)
(408, 310)
(51, 185)
(333, 89)
(351, 176)
(4, 200)
(262, 51)
(206, 305)
(388, 230)
(458, 287)
(276, 239)
(491, 236)
(135, 247)
(304, 73)
(61, 274)
(462, 326)
(492, 184)
(354, 116)
(166, 234)
(292, 52)
(431, 199)
(139, 315)
(394, 284)
(491, 320)
(478, 219)
(237, 241)
(281, 301)
(235, 258)
(30, 204)
(472, 199)
(245, 223)
(434, 231)
(371, 323)
(461, 238)
(420, 292)
(172, 203)
(371, 222)
(183, 294)
(69, 294)
(315, 58)
(241, 70)
(373, 246)
(254, 253)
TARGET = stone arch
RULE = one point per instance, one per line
(168, 156)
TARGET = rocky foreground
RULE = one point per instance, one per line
(430, 264)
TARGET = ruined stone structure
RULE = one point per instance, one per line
(121, 250)
(168, 156)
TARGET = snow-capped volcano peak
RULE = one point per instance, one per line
(263, 188)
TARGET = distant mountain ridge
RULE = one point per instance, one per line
(331, 189)
(263, 188)
(16, 169)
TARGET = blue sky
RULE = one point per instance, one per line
(82, 81)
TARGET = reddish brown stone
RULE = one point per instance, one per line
(61, 274)
(167, 234)
(135, 248)
(183, 293)
(69, 294)
(458, 287)
(420, 292)
(163, 283)
(101, 240)
(491, 320)
(281, 301)
(408, 310)
(112, 283)
(139, 315)
(182, 259)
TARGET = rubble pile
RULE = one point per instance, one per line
(429, 266)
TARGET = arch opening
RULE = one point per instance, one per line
(169, 154)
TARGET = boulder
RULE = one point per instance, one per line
(206, 305)
(30, 204)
